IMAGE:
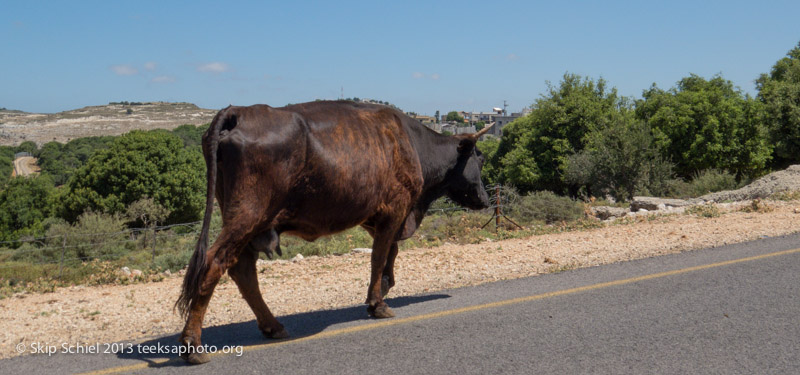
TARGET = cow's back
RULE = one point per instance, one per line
(324, 166)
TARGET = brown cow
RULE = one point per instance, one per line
(314, 169)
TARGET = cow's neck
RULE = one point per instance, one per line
(440, 158)
(438, 155)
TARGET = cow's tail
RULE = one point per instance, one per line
(197, 268)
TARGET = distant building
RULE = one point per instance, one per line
(454, 128)
(496, 116)
(425, 120)
(501, 121)
(487, 117)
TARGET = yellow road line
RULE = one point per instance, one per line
(399, 321)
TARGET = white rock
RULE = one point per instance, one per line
(126, 271)
(297, 258)
(362, 250)
(136, 273)
(605, 212)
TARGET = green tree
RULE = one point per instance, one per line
(28, 146)
(534, 150)
(138, 164)
(6, 163)
(489, 148)
(703, 124)
(146, 212)
(779, 91)
(453, 116)
(191, 135)
(25, 202)
(620, 160)
(52, 162)
(61, 160)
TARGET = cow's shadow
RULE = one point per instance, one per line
(247, 333)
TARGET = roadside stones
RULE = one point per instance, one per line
(607, 212)
(131, 274)
(361, 250)
(653, 204)
(786, 180)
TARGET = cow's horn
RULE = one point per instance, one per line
(483, 131)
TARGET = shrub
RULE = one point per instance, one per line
(337, 244)
(444, 205)
(546, 206)
(712, 180)
(789, 195)
(173, 261)
(94, 235)
(704, 210)
(757, 205)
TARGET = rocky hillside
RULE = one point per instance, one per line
(112, 119)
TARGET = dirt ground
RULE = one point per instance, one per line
(132, 312)
(25, 166)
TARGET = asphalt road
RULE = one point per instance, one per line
(727, 310)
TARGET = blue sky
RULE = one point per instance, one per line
(421, 56)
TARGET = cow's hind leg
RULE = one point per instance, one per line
(219, 257)
(244, 274)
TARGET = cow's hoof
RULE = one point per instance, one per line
(196, 358)
(278, 334)
(381, 311)
(192, 356)
(385, 286)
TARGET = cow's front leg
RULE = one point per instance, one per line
(387, 281)
(381, 247)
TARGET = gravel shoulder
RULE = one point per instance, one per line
(132, 312)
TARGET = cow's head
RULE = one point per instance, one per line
(464, 181)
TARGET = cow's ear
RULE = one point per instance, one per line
(466, 145)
